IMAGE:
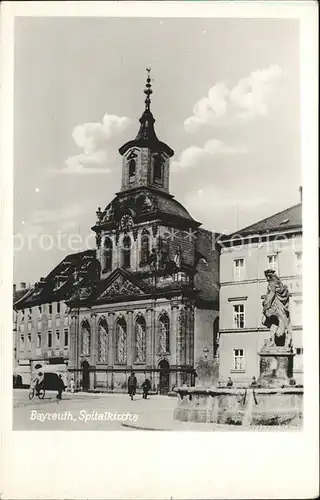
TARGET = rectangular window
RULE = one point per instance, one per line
(21, 341)
(58, 307)
(273, 262)
(238, 316)
(298, 360)
(30, 310)
(40, 309)
(238, 359)
(298, 258)
(66, 337)
(49, 339)
(39, 339)
(29, 340)
(50, 308)
(238, 269)
(57, 338)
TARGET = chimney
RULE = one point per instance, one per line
(14, 288)
(23, 285)
(300, 191)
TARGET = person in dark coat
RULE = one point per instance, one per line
(146, 386)
(230, 382)
(132, 385)
(60, 388)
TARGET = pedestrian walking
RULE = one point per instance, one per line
(61, 387)
(72, 385)
(132, 385)
(146, 386)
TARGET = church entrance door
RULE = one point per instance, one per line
(85, 375)
(164, 376)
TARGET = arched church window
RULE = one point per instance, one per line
(85, 338)
(140, 340)
(126, 252)
(144, 251)
(121, 341)
(132, 170)
(103, 341)
(157, 169)
(107, 255)
(164, 333)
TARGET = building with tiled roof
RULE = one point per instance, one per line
(145, 299)
(272, 243)
(288, 219)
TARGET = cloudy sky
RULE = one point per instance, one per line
(226, 99)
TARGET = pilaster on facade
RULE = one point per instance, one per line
(112, 339)
(150, 336)
(94, 339)
(130, 338)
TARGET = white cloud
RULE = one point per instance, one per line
(194, 155)
(54, 215)
(249, 98)
(95, 141)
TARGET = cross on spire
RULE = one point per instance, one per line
(148, 90)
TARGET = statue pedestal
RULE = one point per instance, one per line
(276, 365)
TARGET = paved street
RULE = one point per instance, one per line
(85, 411)
(81, 411)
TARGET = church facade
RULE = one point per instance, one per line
(146, 298)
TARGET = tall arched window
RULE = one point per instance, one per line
(157, 168)
(107, 255)
(132, 170)
(164, 333)
(144, 250)
(126, 252)
(216, 336)
(85, 338)
(140, 340)
(103, 341)
(121, 341)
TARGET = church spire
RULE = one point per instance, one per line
(148, 90)
(146, 136)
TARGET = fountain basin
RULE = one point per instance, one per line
(246, 407)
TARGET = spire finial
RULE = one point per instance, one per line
(148, 90)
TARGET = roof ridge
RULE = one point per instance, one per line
(266, 218)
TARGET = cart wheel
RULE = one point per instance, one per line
(41, 393)
(31, 394)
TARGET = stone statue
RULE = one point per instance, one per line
(177, 257)
(275, 307)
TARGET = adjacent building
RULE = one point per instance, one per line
(145, 299)
(272, 243)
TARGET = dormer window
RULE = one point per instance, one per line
(132, 170)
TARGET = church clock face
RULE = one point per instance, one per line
(126, 222)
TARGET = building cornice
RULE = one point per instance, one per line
(259, 280)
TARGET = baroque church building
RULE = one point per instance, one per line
(146, 298)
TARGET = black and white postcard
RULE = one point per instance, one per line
(161, 180)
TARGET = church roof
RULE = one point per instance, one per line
(146, 203)
(146, 137)
(59, 284)
(290, 218)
